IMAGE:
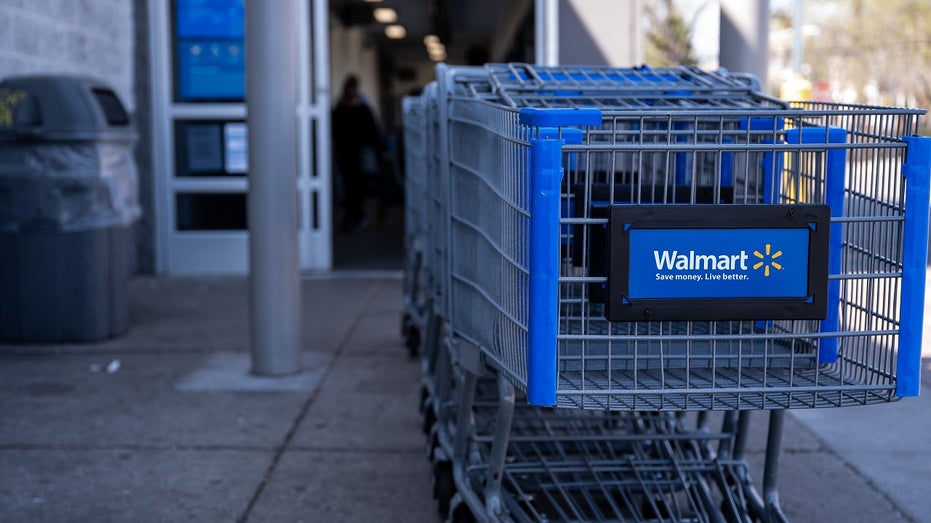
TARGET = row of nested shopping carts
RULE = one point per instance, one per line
(601, 258)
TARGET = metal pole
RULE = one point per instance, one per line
(797, 42)
(320, 40)
(744, 37)
(546, 27)
(774, 513)
(274, 270)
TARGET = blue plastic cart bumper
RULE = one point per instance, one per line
(835, 169)
(545, 117)
(917, 173)
(545, 179)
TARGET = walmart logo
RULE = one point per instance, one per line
(696, 261)
(767, 260)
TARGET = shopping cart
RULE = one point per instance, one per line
(414, 315)
(553, 190)
(427, 267)
(530, 249)
(578, 465)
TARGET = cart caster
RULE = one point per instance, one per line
(741, 516)
(435, 453)
(424, 398)
(654, 507)
(462, 514)
(444, 486)
(410, 334)
(429, 420)
(412, 340)
(406, 323)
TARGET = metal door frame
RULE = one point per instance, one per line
(226, 252)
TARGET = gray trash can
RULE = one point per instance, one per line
(68, 200)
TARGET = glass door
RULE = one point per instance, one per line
(201, 137)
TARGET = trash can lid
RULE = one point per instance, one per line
(59, 107)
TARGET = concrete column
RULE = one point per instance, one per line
(797, 41)
(274, 269)
(600, 32)
(744, 37)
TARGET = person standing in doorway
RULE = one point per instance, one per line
(358, 150)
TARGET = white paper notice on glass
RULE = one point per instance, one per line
(202, 142)
(236, 139)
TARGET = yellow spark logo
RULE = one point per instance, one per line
(767, 260)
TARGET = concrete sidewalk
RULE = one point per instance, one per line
(164, 423)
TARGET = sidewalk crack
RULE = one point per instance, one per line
(367, 303)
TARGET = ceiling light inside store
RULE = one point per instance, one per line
(431, 40)
(395, 32)
(436, 47)
(373, 1)
(385, 15)
(438, 55)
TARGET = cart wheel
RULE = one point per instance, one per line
(730, 516)
(462, 514)
(444, 486)
(429, 419)
(436, 454)
(412, 340)
(753, 514)
(424, 398)
(405, 325)
(654, 506)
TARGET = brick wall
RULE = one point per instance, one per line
(85, 37)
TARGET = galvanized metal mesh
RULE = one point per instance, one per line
(644, 88)
(659, 155)
(489, 225)
(436, 199)
(416, 154)
(737, 365)
(572, 465)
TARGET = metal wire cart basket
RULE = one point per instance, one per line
(634, 244)
(547, 201)
(415, 221)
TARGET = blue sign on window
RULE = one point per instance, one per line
(209, 50)
(210, 18)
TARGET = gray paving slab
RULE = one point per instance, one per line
(164, 438)
(352, 486)
(57, 400)
(888, 444)
(379, 332)
(820, 487)
(369, 400)
(796, 438)
(141, 486)
(366, 403)
(357, 455)
(815, 484)
(370, 343)
(330, 307)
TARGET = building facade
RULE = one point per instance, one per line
(177, 65)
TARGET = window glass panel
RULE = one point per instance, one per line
(210, 148)
(211, 212)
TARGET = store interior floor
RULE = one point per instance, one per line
(378, 245)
